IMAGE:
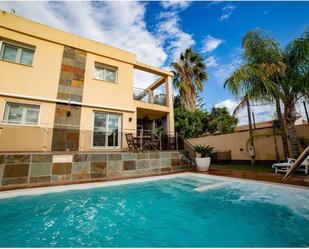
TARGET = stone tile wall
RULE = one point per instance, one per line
(71, 84)
(28, 169)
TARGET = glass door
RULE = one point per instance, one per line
(106, 132)
(113, 130)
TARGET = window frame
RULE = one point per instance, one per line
(120, 122)
(20, 49)
(105, 67)
(5, 122)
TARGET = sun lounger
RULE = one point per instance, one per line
(284, 167)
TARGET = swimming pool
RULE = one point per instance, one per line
(183, 210)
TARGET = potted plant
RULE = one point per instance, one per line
(203, 156)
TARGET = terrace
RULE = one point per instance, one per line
(150, 96)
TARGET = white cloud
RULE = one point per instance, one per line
(210, 44)
(175, 4)
(229, 7)
(222, 72)
(211, 62)
(227, 12)
(261, 112)
(214, 3)
(300, 109)
(171, 34)
(228, 103)
(143, 79)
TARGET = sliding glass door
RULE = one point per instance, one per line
(106, 130)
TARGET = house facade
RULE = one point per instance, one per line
(62, 92)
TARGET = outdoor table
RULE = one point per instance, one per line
(142, 141)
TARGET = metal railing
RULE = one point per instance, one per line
(149, 96)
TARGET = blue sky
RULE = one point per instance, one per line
(282, 20)
(158, 31)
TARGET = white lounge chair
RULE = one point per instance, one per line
(284, 167)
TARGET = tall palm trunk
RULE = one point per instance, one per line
(276, 144)
(293, 138)
(251, 143)
(282, 128)
(189, 100)
(290, 117)
(192, 100)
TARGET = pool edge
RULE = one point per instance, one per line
(34, 191)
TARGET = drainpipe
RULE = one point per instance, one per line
(253, 117)
(251, 149)
(306, 111)
(45, 139)
(82, 140)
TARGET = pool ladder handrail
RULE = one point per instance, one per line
(296, 164)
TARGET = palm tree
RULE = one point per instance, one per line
(189, 75)
(257, 78)
(265, 53)
(200, 102)
(244, 102)
(271, 74)
(294, 84)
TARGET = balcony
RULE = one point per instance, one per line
(149, 96)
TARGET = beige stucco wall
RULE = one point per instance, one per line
(41, 79)
(39, 138)
(264, 145)
(28, 138)
(115, 95)
(39, 83)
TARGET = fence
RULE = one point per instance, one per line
(221, 156)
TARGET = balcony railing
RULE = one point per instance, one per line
(152, 97)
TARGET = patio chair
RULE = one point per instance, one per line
(132, 143)
(152, 143)
(284, 167)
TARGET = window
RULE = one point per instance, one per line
(105, 73)
(106, 131)
(17, 54)
(18, 113)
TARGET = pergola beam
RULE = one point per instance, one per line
(151, 69)
(156, 84)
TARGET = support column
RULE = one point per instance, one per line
(170, 115)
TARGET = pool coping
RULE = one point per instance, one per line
(296, 180)
(91, 185)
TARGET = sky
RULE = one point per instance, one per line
(159, 31)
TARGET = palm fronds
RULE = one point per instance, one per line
(189, 76)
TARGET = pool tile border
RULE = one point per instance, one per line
(141, 179)
(22, 170)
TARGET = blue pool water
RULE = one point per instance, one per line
(163, 213)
